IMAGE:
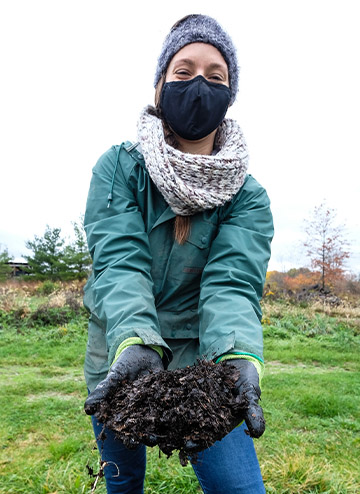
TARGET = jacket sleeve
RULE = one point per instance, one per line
(121, 287)
(234, 276)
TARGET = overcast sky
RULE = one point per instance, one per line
(76, 74)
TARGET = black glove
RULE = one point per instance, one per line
(248, 390)
(133, 362)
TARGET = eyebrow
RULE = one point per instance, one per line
(192, 63)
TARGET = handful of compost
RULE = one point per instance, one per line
(184, 409)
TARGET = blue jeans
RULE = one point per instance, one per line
(229, 466)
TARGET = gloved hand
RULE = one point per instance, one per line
(248, 389)
(133, 362)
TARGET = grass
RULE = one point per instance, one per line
(310, 399)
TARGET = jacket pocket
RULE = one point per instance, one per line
(179, 325)
(201, 238)
(187, 261)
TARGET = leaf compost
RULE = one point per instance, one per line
(184, 409)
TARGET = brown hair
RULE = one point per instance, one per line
(182, 224)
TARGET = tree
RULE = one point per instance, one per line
(55, 259)
(5, 269)
(76, 255)
(326, 245)
(47, 260)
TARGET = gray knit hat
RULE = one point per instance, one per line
(194, 29)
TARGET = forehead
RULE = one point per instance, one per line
(200, 53)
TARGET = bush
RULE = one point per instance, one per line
(19, 309)
(45, 315)
(47, 287)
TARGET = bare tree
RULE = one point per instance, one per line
(326, 244)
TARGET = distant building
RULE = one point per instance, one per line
(19, 267)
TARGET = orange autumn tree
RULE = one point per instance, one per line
(292, 282)
(297, 280)
(326, 245)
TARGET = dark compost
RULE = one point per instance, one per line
(184, 409)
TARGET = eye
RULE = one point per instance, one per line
(216, 78)
(183, 73)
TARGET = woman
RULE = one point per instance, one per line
(180, 239)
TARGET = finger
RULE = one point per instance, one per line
(254, 419)
(96, 397)
(91, 405)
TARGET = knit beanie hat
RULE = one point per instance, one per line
(198, 28)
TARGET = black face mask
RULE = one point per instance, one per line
(194, 108)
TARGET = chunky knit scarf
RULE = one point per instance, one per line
(191, 183)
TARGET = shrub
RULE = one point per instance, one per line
(47, 287)
(45, 315)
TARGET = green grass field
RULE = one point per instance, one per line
(310, 399)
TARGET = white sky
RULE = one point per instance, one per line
(75, 75)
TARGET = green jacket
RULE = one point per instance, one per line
(197, 299)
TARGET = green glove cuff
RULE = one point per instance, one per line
(259, 365)
(135, 340)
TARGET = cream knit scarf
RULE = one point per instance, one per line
(191, 183)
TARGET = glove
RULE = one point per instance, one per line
(133, 362)
(248, 390)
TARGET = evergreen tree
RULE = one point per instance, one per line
(47, 259)
(76, 255)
